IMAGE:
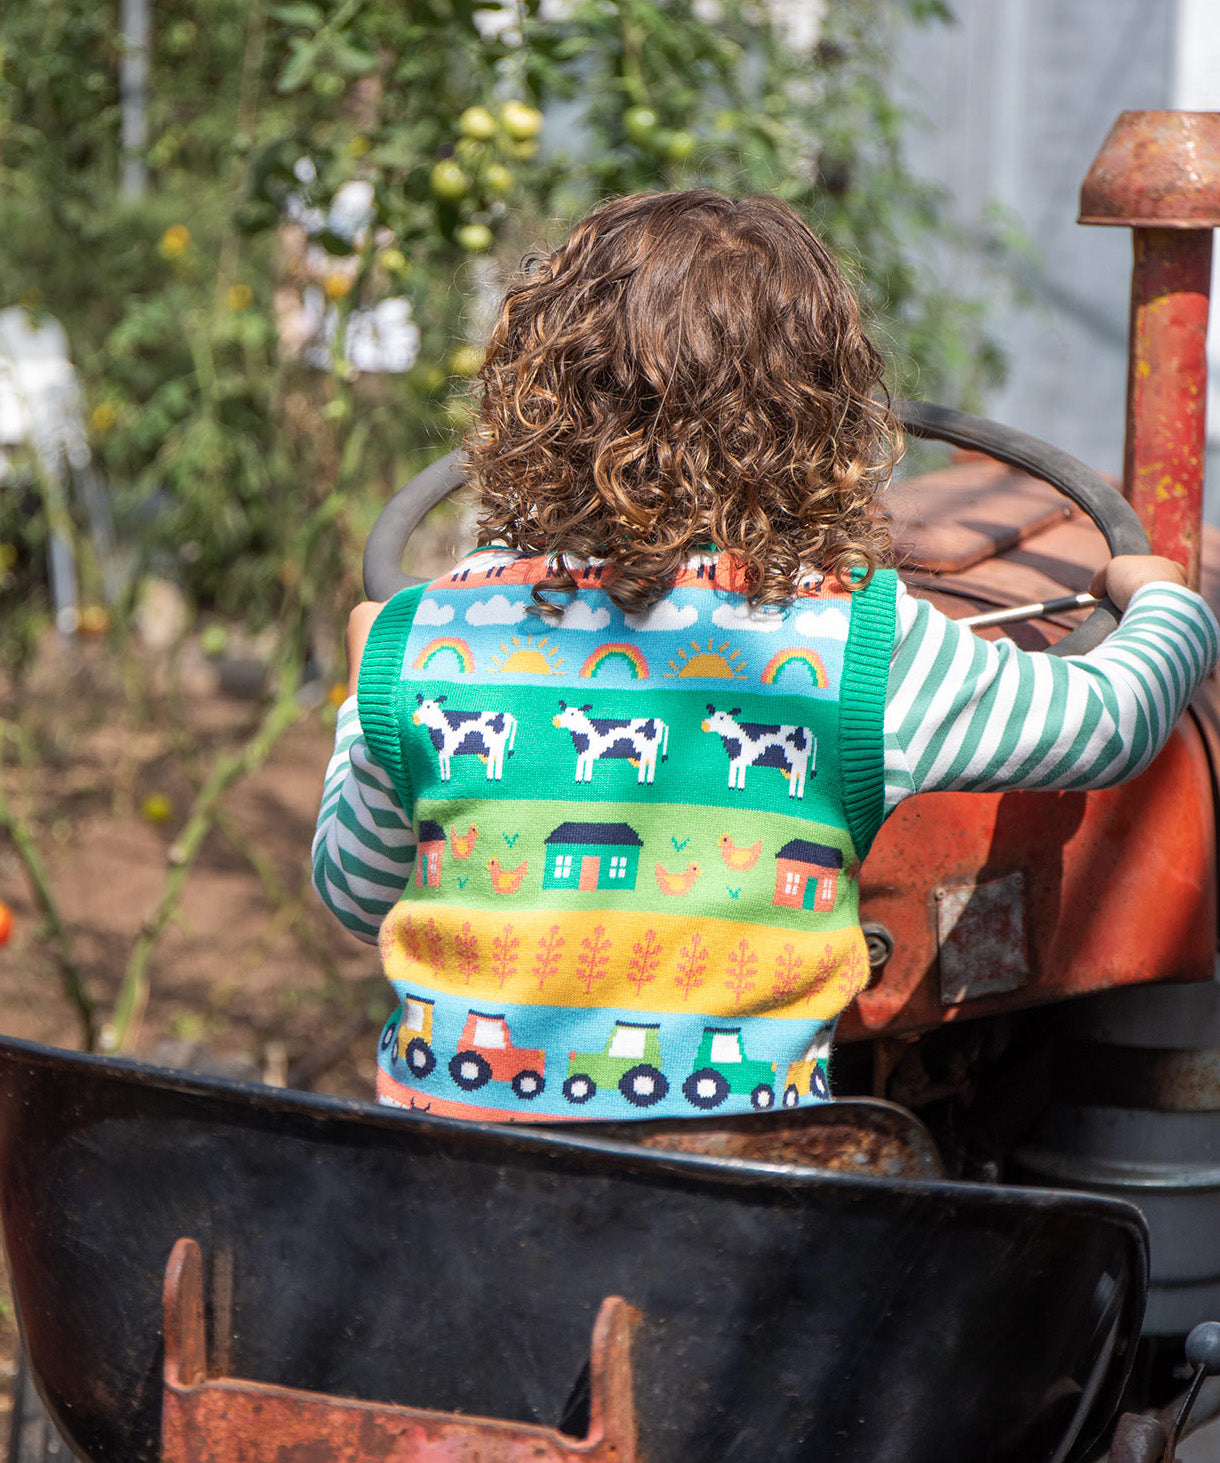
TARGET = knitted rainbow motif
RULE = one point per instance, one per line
(436, 647)
(799, 655)
(636, 664)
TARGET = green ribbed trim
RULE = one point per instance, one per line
(381, 688)
(866, 674)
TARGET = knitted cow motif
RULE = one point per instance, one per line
(640, 740)
(757, 744)
(488, 735)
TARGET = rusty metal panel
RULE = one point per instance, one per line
(1119, 888)
(980, 932)
(229, 1420)
(946, 521)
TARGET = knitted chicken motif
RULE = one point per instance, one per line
(681, 883)
(463, 844)
(738, 858)
(506, 882)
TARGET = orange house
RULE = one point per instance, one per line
(807, 875)
(428, 855)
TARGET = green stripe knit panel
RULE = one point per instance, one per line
(866, 669)
(381, 687)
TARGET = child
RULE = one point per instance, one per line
(607, 786)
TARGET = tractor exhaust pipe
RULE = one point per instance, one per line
(1158, 173)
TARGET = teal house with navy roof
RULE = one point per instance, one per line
(592, 856)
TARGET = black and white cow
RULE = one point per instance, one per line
(486, 734)
(640, 741)
(756, 744)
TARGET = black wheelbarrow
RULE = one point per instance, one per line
(206, 1271)
(371, 1281)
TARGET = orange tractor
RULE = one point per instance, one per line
(951, 1261)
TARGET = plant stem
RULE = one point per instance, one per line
(27, 851)
(122, 1030)
(286, 905)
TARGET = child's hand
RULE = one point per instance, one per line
(359, 623)
(1122, 576)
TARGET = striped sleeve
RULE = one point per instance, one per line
(974, 715)
(364, 846)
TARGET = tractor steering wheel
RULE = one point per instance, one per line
(1107, 508)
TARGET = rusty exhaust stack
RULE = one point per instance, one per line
(1158, 173)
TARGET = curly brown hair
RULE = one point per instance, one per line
(685, 371)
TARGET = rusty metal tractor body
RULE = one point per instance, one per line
(999, 902)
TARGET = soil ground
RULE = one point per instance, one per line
(252, 978)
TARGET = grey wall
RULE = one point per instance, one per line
(1018, 96)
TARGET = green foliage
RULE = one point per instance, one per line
(482, 131)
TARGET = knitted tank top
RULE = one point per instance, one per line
(635, 888)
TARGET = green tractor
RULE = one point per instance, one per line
(721, 1067)
(631, 1062)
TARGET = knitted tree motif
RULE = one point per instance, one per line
(504, 955)
(787, 972)
(546, 961)
(645, 957)
(852, 973)
(466, 948)
(421, 941)
(742, 964)
(692, 962)
(431, 945)
(593, 957)
(825, 970)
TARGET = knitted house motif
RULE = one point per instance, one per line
(591, 856)
(807, 875)
(428, 855)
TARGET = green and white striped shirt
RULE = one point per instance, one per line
(961, 714)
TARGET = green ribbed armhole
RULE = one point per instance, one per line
(380, 688)
(866, 675)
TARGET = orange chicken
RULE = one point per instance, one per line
(681, 883)
(738, 858)
(506, 882)
(463, 844)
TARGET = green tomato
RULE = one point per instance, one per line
(498, 179)
(679, 146)
(641, 125)
(328, 85)
(465, 360)
(448, 181)
(475, 238)
(427, 378)
(520, 121)
(214, 641)
(478, 123)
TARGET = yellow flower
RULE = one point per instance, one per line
(358, 146)
(103, 417)
(337, 694)
(239, 297)
(337, 285)
(175, 241)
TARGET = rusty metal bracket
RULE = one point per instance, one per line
(231, 1420)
